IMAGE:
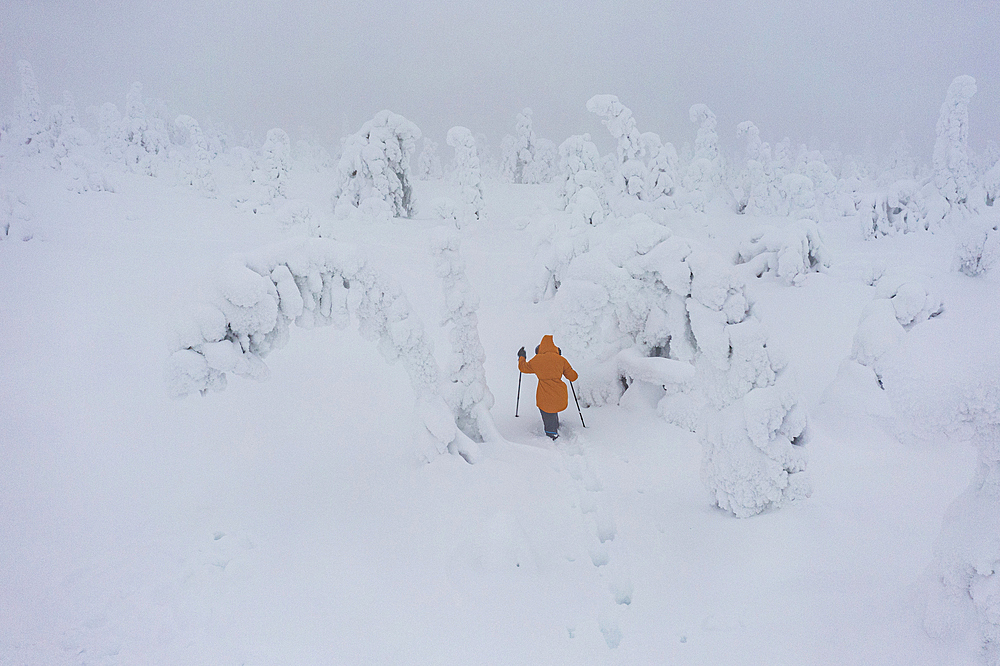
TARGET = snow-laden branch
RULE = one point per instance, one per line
(309, 282)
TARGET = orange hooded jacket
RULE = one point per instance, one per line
(550, 368)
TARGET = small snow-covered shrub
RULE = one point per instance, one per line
(911, 301)
(445, 209)
(544, 166)
(991, 184)
(901, 302)
(964, 594)
(296, 215)
(15, 218)
(789, 252)
(375, 166)
(977, 248)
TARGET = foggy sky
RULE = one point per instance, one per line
(850, 72)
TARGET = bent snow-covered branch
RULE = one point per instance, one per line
(311, 282)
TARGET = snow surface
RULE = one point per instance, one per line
(292, 520)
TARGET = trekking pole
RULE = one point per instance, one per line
(578, 405)
(517, 405)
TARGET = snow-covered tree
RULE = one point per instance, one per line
(110, 133)
(32, 125)
(311, 282)
(524, 158)
(465, 389)
(952, 174)
(901, 165)
(704, 173)
(823, 179)
(524, 147)
(271, 174)
(428, 162)
(759, 193)
(799, 196)
(579, 164)
(375, 166)
(198, 170)
(630, 171)
(544, 165)
(146, 142)
(662, 164)
(312, 155)
(487, 160)
(467, 173)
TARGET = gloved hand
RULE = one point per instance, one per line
(522, 353)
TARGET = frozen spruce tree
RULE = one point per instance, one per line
(759, 194)
(465, 390)
(198, 169)
(524, 158)
(145, 142)
(111, 133)
(467, 174)
(271, 174)
(428, 162)
(373, 174)
(705, 172)
(952, 173)
(630, 173)
(544, 166)
(661, 178)
(580, 167)
(32, 126)
(524, 147)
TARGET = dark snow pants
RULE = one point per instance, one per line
(551, 424)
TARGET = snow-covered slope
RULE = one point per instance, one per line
(292, 520)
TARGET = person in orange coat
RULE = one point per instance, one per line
(550, 367)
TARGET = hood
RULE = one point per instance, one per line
(546, 346)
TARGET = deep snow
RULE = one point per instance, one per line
(290, 521)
